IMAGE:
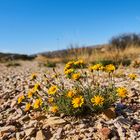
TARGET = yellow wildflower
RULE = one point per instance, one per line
(37, 103)
(97, 100)
(33, 76)
(110, 68)
(122, 92)
(27, 107)
(96, 67)
(132, 76)
(53, 109)
(78, 101)
(30, 93)
(36, 87)
(69, 64)
(76, 76)
(22, 97)
(70, 93)
(53, 89)
(68, 71)
(54, 76)
(50, 99)
(79, 63)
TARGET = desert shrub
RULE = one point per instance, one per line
(50, 64)
(76, 92)
(124, 62)
(124, 40)
(13, 64)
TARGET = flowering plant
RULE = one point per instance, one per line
(78, 91)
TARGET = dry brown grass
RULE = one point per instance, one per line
(105, 52)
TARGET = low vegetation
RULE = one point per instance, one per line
(121, 50)
(13, 64)
(80, 90)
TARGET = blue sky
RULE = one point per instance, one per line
(31, 26)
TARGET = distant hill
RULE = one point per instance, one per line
(12, 56)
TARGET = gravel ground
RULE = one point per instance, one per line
(15, 124)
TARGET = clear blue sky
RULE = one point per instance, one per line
(30, 26)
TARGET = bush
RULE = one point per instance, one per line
(13, 64)
(77, 92)
(50, 64)
(125, 40)
(124, 62)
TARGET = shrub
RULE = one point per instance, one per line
(124, 40)
(50, 64)
(13, 64)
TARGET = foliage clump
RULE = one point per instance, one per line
(78, 91)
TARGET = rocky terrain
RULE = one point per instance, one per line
(119, 123)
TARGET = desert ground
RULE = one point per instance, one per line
(15, 124)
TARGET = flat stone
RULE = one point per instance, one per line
(55, 121)
(7, 129)
(29, 131)
(40, 135)
(105, 133)
(109, 114)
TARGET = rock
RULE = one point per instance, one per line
(19, 111)
(133, 135)
(81, 126)
(98, 125)
(136, 127)
(1, 101)
(58, 133)
(120, 130)
(13, 103)
(17, 136)
(123, 121)
(55, 121)
(67, 127)
(105, 132)
(109, 114)
(13, 138)
(72, 132)
(29, 131)
(7, 129)
(40, 135)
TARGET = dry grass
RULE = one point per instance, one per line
(104, 52)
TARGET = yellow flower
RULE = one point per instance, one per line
(122, 92)
(50, 100)
(37, 103)
(53, 89)
(69, 65)
(78, 101)
(79, 63)
(22, 97)
(54, 76)
(27, 107)
(33, 76)
(30, 93)
(53, 109)
(132, 76)
(68, 71)
(110, 68)
(97, 100)
(36, 87)
(96, 67)
(70, 93)
(76, 76)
